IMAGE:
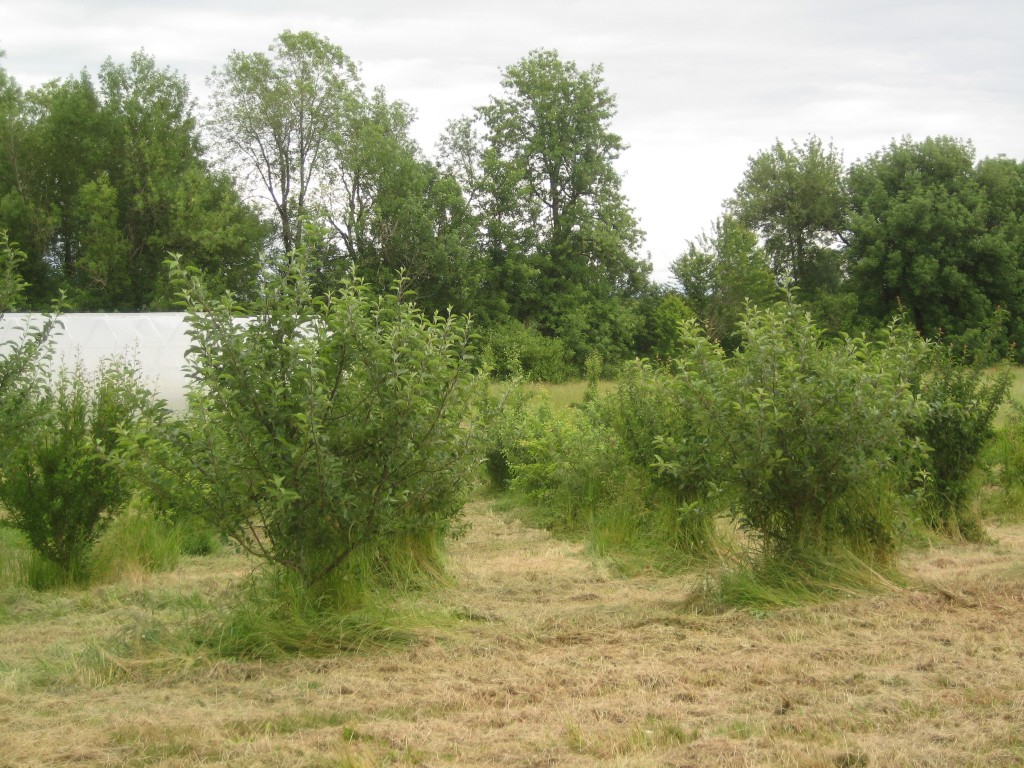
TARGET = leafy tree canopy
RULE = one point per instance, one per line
(103, 177)
(940, 236)
(795, 200)
(561, 239)
(332, 159)
(722, 273)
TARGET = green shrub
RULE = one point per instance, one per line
(24, 370)
(800, 432)
(573, 467)
(196, 537)
(652, 418)
(60, 486)
(505, 422)
(515, 350)
(322, 426)
(567, 462)
(659, 336)
(961, 402)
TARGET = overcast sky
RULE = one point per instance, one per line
(701, 86)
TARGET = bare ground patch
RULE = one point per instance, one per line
(549, 660)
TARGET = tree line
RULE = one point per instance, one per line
(518, 219)
(920, 228)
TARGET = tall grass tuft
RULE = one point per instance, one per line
(805, 577)
(21, 566)
(276, 614)
(136, 542)
(1003, 497)
(15, 554)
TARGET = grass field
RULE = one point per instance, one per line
(535, 655)
(573, 391)
(1017, 388)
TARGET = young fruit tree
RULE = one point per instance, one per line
(319, 427)
(806, 434)
(59, 483)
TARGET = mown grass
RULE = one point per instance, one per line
(1017, 388)
(569, 393)
(534, 652)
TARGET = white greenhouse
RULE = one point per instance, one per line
(156, 340)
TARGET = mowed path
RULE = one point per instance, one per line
(547, 659)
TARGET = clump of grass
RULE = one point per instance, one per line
(276, 615)
(15, 557)
(21, 566)
(801, 578)
(42, 573)
(658, 534)
(152, 639)
(93, 666)
(136, 542)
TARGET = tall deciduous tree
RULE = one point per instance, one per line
(104, 178)
(16, 215)
(167, 196)
(795, 199)
(392, 212)
(721, 273)
(299, 124)
(275, 117)
(53, 146)
(940, 237)
(561, 239)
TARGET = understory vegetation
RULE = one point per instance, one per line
(336, 437)
(726, 551)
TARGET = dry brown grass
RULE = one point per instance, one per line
(552, 661)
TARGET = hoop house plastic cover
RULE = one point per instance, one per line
(157, 340)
